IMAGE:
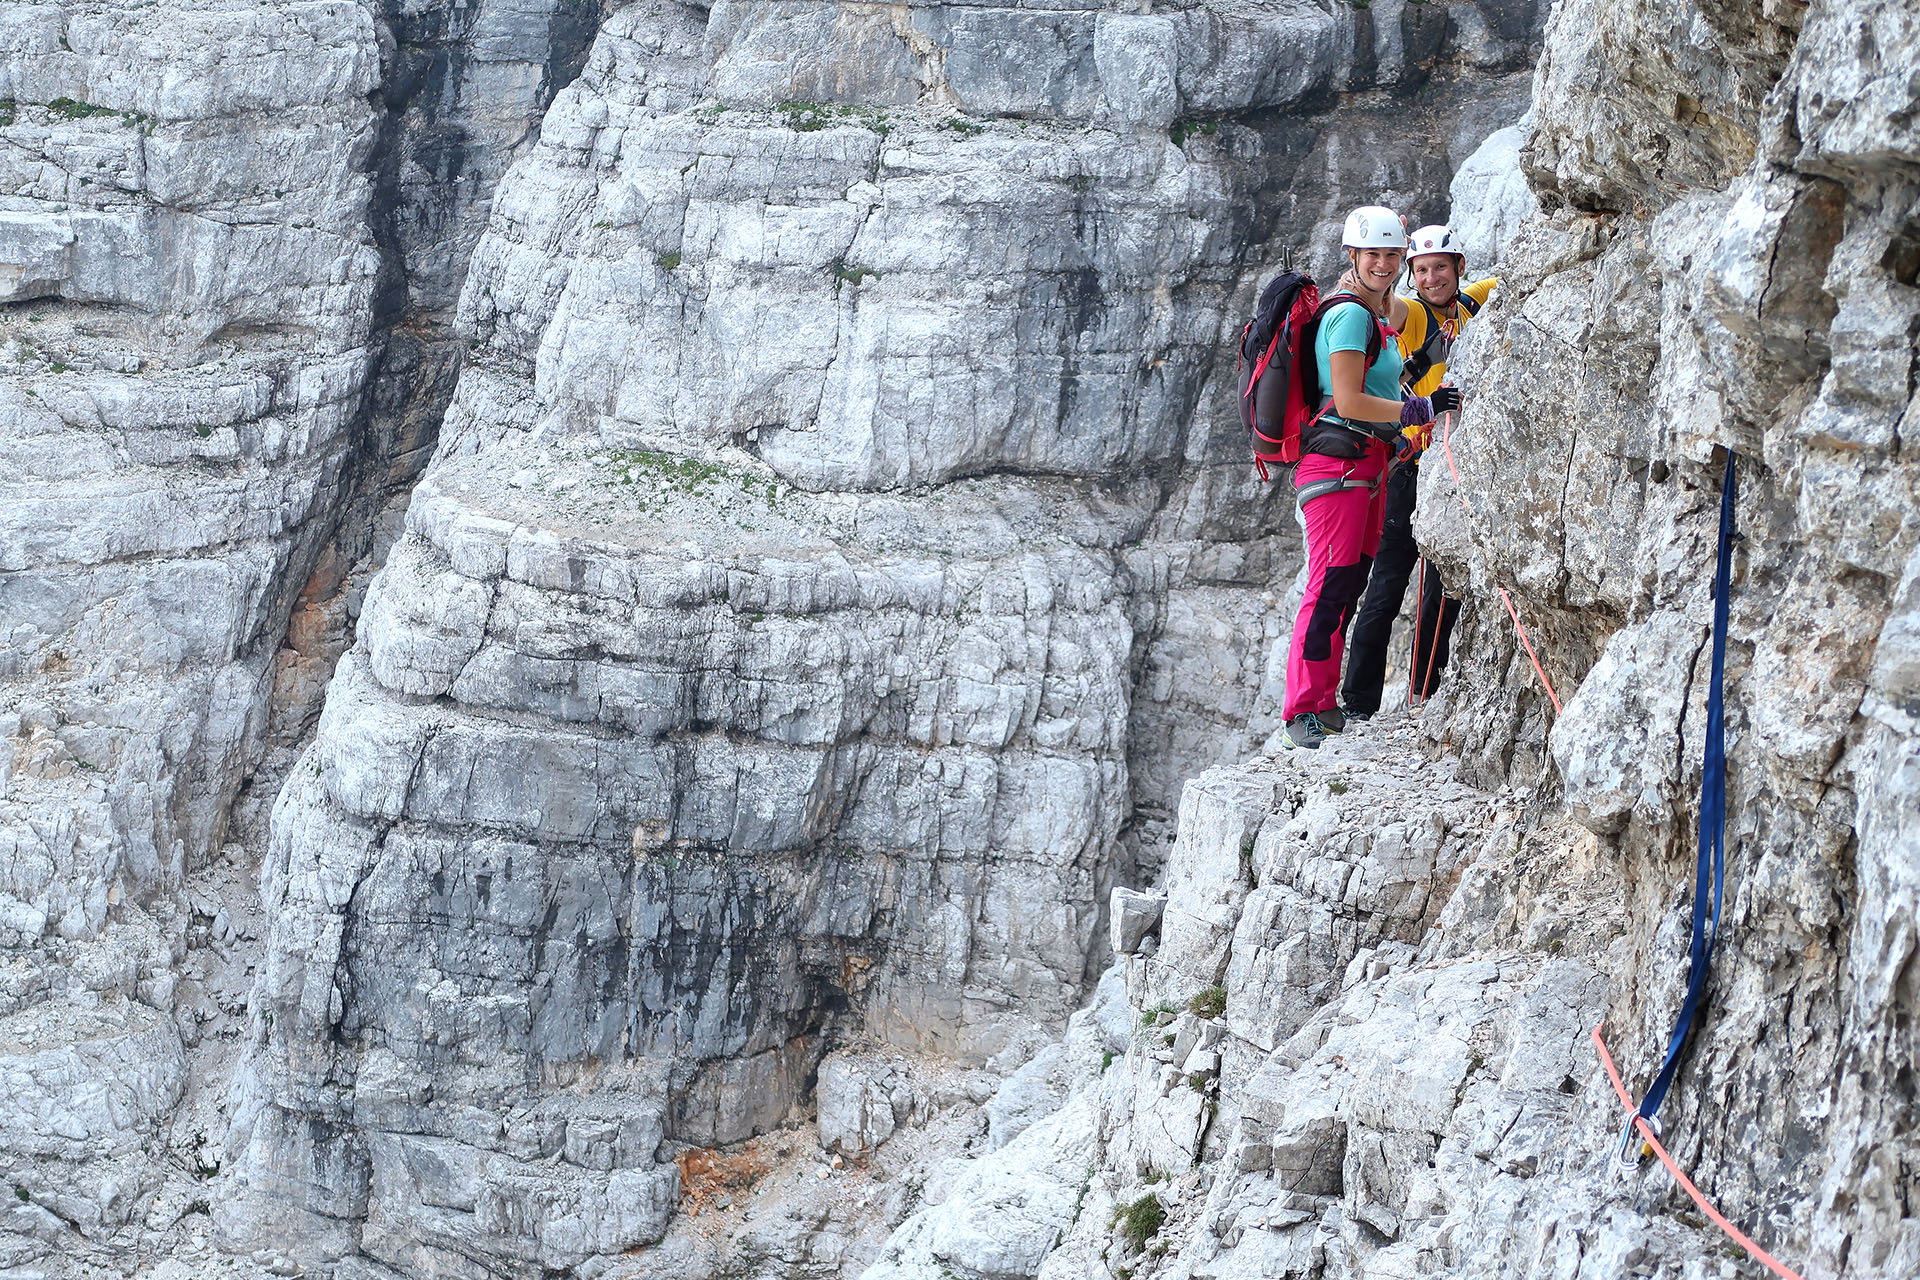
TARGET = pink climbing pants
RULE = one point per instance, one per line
(1343, 532)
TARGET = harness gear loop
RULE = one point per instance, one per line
(1332, 484)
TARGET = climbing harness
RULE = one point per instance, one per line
(1442, 333)
(1446, 444)
(1636, 1121)
(1709, 879)
(1333, 484)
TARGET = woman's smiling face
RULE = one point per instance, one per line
(1378, 268)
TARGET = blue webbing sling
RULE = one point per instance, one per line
(1710, 865)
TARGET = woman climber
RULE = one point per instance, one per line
(1363, 426)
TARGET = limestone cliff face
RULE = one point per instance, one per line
(1385, 1068)
(835, 545)
(224, 249)
(838, 554)
(188, 278)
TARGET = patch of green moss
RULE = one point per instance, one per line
(847, 273)
(1184, 129)
(688, 475)
(1210, 1003)
(73, 110)
(806, 117)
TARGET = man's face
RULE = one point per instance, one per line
(1436, 277)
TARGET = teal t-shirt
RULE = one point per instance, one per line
(1344, 328)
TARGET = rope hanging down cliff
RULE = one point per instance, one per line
(1446, 444)
(1709, 878)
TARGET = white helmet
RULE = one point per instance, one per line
(1374, 226)
(1434, 239)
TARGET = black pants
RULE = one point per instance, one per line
(1386, 588)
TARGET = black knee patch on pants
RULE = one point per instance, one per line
(1340, 587)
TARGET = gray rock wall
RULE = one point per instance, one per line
(1765, 303)
(210, 392)
(835, 543)
(1332, 1078)
(185, 344)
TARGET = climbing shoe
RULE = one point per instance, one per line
(1333, 719)
(1358, 717)
(1305, 730)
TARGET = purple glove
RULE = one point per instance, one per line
(1415, 411)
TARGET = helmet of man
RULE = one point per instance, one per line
(1374, 226)
(1434, 239)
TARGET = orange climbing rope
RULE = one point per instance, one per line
(1423, 678)
(1446, 443)
(1760, 1255)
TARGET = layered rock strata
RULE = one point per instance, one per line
(826, 557)
(205, 404)
(188, 279)
(1723, 261)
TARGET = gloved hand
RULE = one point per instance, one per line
(1421, 434)
(1403, 446)
(1446, 400)
(1415, 410)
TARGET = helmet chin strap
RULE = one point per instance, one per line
(1351, 282)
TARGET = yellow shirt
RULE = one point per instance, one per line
(1415, 334)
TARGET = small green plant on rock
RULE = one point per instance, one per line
(1184, 129)
(964, 127)
(1162, 1012)
(1140, 1221)
(850, 274)
(1210, 1003)
(668, 261)
(806, 117)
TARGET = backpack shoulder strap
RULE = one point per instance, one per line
(1310, 381)
(1467, 304)
(1434, 323)
(1374, 338)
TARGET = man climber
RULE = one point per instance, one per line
(1435, 317)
